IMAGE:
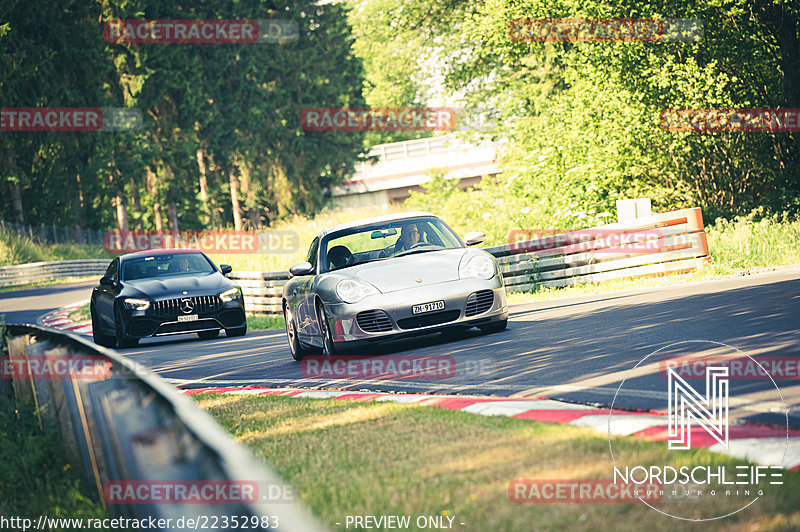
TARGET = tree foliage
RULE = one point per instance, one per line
(221, 121)
(582, 118)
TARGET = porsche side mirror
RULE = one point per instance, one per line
(303, 268)
(225, 269)
(474, 238)
(107, 280)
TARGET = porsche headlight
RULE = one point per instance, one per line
(229, 295)
(351, 291)
(478, 266)
(136, 304)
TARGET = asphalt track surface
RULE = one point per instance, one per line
(578, 349)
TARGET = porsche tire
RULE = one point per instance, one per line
(328, 349)
(296, 347)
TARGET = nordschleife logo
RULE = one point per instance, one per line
(736, 430)
(686, 405)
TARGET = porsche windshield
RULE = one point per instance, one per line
(148, 267)
(385, 241)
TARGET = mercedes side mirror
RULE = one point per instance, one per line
(225, 269)
(107, 280)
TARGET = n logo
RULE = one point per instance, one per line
(686, 404)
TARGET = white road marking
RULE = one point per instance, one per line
(321, 394)
(621, 425)
(764, 451)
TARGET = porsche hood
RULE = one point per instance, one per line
(410, 271)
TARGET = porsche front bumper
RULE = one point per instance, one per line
(467, 302)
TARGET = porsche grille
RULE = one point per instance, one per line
(479, 302)
(374, 321)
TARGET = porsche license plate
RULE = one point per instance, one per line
(190, 317)
(427, 307)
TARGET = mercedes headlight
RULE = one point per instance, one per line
(351, 291)
(136, 304)
(479, 266)
(229, 295)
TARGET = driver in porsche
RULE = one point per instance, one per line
(409, 236)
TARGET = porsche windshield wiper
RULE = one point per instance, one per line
(413, 251)
(368, 260)
(355, 264)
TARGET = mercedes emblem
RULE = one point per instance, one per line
(187, 306)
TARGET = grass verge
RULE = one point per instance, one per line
(15, 249)
(81, 313)
(259, 322)
(35, 478)
(745, 243)
(348, 458)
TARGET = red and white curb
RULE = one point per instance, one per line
(760, 444)
(59, 319)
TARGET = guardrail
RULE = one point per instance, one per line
(677, 244)
(126, 427)
(51, 271)
(666, 243)
(262, 290)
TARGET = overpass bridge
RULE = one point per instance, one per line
(405, 166)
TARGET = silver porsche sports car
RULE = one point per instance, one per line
(389, 277)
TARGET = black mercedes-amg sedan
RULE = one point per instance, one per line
(165, 292)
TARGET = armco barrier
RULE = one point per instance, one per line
(262, 290)
(51, 271)
(129, 427)
(682, 247)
